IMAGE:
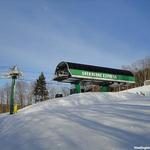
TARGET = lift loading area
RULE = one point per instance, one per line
(85, 77)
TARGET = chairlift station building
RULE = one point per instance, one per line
(80, 74)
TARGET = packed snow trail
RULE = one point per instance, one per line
(89, 121)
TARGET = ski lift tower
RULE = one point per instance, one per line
(14, 73)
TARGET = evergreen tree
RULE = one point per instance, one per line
(40, 90)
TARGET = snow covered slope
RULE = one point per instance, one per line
(89, 121)
(140, 90)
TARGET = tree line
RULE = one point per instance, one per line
(140, 69)
(29, 93)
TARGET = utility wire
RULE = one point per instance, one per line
(27, 73)
(36, 72)
(47, 82)
(3, 66)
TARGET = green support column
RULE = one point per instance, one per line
(12, 95)
(104, 88)
(78, 88)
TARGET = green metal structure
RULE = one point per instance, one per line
(74, 73)
(12, 95)
(78, 88)
(14, 74)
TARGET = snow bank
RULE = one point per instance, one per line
(86, 121)
(143, 90)
(81, 99)
(95, 98)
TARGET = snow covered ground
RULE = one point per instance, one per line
(140, 90)
(86, 121)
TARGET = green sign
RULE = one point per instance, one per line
(101, 76)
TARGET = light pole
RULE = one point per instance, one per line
(14, 74)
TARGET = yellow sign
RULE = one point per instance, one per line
(15, 108)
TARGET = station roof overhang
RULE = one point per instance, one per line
(88, 73)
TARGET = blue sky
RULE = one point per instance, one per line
(38, 34)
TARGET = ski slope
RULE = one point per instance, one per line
(140, 90)
(86, 121)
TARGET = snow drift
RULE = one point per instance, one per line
(88, 121)
(143, 90)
